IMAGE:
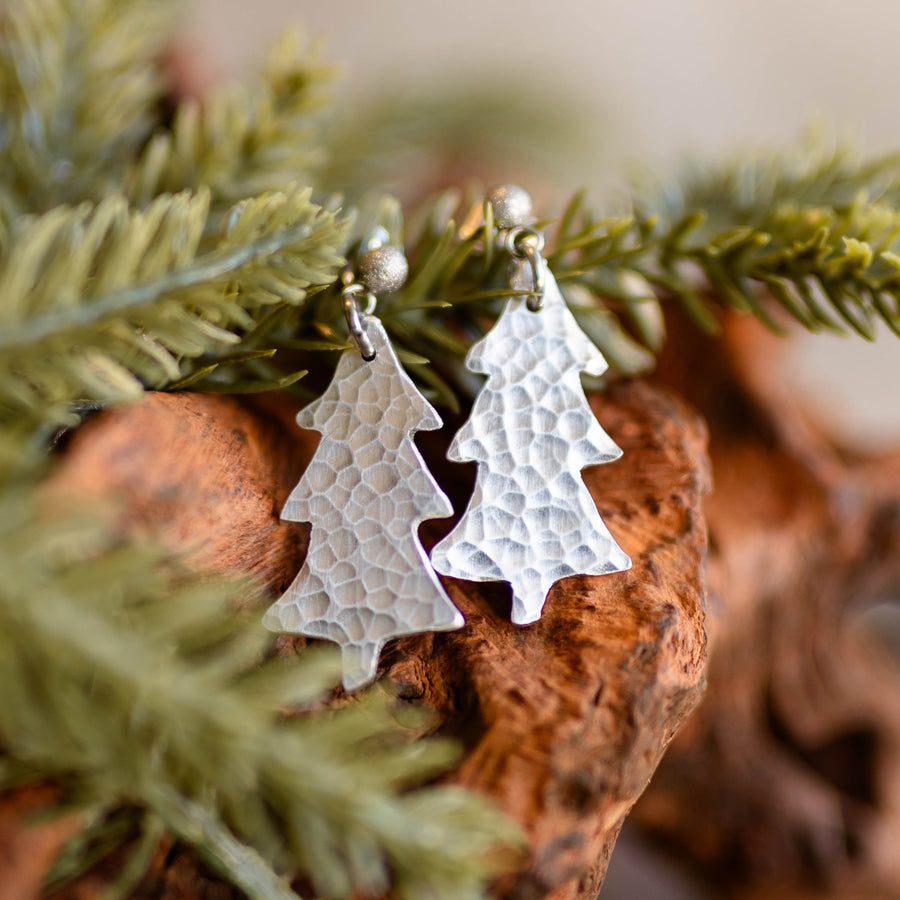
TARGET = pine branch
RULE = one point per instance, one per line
(79, 83)
(808, 230)
(243, 140)
(134, 687)
(745, 189)
(815, 229)
(736, 239)
(407, 137)
(828, 266)
(101, 300)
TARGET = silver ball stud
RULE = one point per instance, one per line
(382, 270)
(511, 206)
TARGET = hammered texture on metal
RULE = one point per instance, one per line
(366, 577)
(531, 520)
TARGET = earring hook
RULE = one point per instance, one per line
(526, 243)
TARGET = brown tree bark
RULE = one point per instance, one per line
(28, 842)
(205, 474)
(564, 721)
(786, 783)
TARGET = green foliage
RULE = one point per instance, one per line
(133, 685)
(814, 173)
(79, 83)
(810, 238)
(815, 230)
(806, 245)
(188, 258)
(407, 137)
(138, 253)
(102, 300)
(243, 140)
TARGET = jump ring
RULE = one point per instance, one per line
(354, 318)
(526, 243)
(520, 238)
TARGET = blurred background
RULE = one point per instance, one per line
(618, 89)
(644, 85)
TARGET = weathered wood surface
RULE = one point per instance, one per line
(786, 782)
(28, 843)
(205, 474)
(563, 721)
(566, 720)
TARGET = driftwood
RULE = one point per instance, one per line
(786, 783)
(29, 845)
(204, 474)
(563, 722)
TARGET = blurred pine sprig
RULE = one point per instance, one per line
(138, 252)
(245, 139)
(138, 689)
(102, 300)
(80, 85)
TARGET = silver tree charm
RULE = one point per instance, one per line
(531, 520)
(366, 578)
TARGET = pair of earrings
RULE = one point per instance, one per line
(530, 521)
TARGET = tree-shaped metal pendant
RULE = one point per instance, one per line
(366, 577)
(531, 520)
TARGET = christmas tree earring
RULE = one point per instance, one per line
(531, 520)
(366, 577)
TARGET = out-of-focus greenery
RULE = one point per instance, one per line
(141, 251)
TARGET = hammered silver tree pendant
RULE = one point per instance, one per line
(531, 520)
(366, 577)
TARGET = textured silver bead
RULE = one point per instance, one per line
(382, 270)
(511, 205)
